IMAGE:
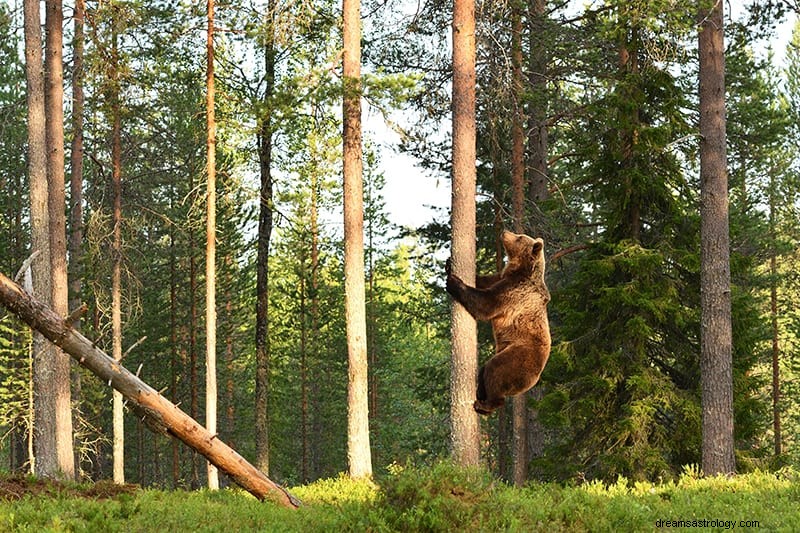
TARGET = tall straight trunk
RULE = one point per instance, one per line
(76, 193)
(715, 296)
(537, 107)
(464, 431)
(311, 352)
(304, 434)
(44, 460)
(537, 166)
(262, 257)
(773, 301)
(173, 341)
(193, 399)
(116, 258)
(76, 165)
(211, 247)
(358, 449)
(520, 402)
(54, 133)
(230, 409)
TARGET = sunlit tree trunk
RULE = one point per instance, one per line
(44, 459)
(519, 402)
(116, 258)
(211, 247)
(715, 295)
(76, 193)
(358, 449)
(54, 111)
(464, 433)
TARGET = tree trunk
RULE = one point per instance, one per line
(304, 433)
(211, 247)
(537, 168)
(464, 433)
(54, 109)
(116, 257)
(358, 448)
(173, 338)
(773, 301)
(519, 452)
(715, 295)
(537, 114)
(262, 259)
(76, 196)
(43, 429)
(161, 415)
(193, 400)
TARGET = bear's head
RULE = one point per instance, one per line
(524, 254)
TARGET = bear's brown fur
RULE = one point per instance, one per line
(515, 301)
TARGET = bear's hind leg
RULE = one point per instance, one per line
(483, 405)
(486, 407)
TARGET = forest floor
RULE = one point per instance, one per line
(435, 498)
(17, 487)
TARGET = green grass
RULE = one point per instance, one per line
(439, 498)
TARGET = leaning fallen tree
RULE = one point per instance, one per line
(158, 413)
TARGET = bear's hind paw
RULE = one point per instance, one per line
(480, 409)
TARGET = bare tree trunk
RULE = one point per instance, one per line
(211, 248)
(262, 260)
(304, 433)
(773, 300)
(158, 413)
(537, 167)
(537, 114)
(193, 400)
(715, 296)
(173, 338)
(358, 448)
(54, 109)
(519, 452)
(76, 197)
(44, 460)
(464, 433)
(116, 258)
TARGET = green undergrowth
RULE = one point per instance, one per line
(438, 498)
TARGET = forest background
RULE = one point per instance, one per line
(610, 118)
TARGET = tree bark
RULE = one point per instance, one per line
(161, 415)
(211, 246)
(76, 195)
(173, 338)
(464, 432)
(262, 259)
(358, 447)
(773, 301)
(44, 410)
(537, 114)
(54, 109)
(52, 416)
(193, 400)
(715, 295)
(116, 257)
(519, 451)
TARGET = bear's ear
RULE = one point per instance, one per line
(537, 247)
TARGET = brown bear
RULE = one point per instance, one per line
(515, 301)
